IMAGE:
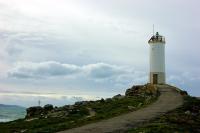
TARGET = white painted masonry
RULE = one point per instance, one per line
(157, 59)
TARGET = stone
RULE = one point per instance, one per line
(58, 114)
(187, 112)
(102, 100)
(183, 93)
(108, 100)
(34, 111)
(139, 105)
(134, 90)
(142, 90)
(71, 107)
(131, 108)
(23, 131)
(81, 103)
(65, 107)
(151, 89)
(195, 109)
(48, 107)
(119, 96)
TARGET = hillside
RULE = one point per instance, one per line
(143, 109)
(185, 119)
(52, 119)
(169, 99)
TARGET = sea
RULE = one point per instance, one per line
(11, 112)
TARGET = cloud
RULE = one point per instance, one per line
(52, 69)
(99, 72)
(42, 70)
(31, 98)
(188, 81)
(184, 78)
(102, 70)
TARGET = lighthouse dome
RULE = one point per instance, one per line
(157, 39)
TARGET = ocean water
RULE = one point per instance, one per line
(10, 112)
(5, 120)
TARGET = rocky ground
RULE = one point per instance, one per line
(51, 119)
(170, 98)
(143, 109)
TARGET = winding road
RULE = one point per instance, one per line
(169, 99)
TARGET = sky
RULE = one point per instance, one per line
(64, 51)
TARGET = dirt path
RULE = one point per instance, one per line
(168, 100)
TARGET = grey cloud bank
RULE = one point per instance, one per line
(52, 69)
(43, 70)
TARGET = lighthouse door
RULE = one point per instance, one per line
(155, 78)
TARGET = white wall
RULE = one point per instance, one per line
(157, 57)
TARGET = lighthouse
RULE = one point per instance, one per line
(157, 59)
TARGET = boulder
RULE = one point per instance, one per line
(131, 108)
(48, 107)
(34, 111)
(60, 114)
(71, 107)
(142, 90)
(184, 93)
(139, 105)
(81, 103)
(187, 112)
(134, 90)
(151, 89)
(65, 107)
(102, 100)
(108, 100)
(119, 96)
(195, 109)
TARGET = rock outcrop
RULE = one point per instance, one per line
(168, 100)
(142, 90)
(119, 96)
(48, 107)
(34, 111)
(79, 107)
(61, 112)
(38, 111)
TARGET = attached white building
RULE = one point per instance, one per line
(157, 59)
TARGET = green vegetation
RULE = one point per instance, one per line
(79, 115)
(185, 119)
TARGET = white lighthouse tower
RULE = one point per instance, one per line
(157, 59)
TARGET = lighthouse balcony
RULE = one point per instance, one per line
(157, 39)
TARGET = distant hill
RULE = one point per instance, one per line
(11, 112)
(10, 106)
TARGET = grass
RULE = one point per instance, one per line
(185, 119)
(104, 109)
